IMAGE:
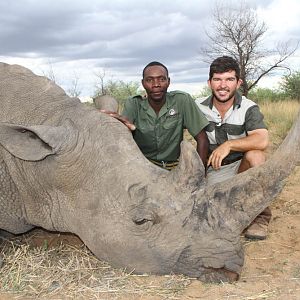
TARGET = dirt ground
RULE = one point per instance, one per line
(272, 267)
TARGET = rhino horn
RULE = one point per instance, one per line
(239, 200)
(190, 172)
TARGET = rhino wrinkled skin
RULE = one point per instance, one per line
(67, 167)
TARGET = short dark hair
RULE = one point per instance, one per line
(155, 63)
(224, 64)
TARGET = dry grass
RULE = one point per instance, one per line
(68, 271)
(279, 117)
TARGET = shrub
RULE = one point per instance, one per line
(261, 95)
(291, 85)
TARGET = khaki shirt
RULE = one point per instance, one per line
(159, 136)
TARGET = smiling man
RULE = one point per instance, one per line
(236, 132)
(161, 117)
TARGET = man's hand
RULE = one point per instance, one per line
(255, 140)
(122, 119)
(202, 146)
(217, 156)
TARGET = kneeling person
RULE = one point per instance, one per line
(236, 132)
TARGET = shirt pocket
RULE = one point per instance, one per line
(171, 122)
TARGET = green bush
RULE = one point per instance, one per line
(261, 95)
(120, 90)
(291, 85)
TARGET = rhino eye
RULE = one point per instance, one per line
(141, 221)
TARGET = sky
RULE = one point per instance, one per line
(80, 39)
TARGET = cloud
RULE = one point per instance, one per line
(118, 36)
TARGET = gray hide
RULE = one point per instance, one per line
(67, 167)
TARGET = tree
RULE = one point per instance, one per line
(50, 74)
(100, 85)
(237, 32)
(204, 92)
(74, 91)
(261, 95)
(118, 89)
(291, 85)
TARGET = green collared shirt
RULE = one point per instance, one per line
(159, 136)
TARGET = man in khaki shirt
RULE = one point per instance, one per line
(161, 117)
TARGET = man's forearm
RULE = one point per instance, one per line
(254, 141)
(202, 146)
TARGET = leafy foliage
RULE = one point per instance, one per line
(262, 95)
(204, 92)
(291, 85)
(119, 89)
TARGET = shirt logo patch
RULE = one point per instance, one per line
(172, 112)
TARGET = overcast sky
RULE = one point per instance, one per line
(77, 38)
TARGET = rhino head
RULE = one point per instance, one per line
(68, 167)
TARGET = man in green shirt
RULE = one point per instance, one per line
(161, 117)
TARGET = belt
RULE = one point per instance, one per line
(168, 165)
(226, 162)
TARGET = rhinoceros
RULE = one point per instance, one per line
(68, 167)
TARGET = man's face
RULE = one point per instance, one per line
(156, 83)
(224, 86)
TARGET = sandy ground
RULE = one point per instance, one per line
(272, 267)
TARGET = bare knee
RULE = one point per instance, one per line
(252, 158)
(255, 158)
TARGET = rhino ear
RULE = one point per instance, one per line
(190, 172)
(31, 143)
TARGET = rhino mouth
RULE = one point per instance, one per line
(218, 264)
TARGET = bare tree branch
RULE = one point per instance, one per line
(237, 32)
(100, 85)
(50, 72)
(74, 91)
